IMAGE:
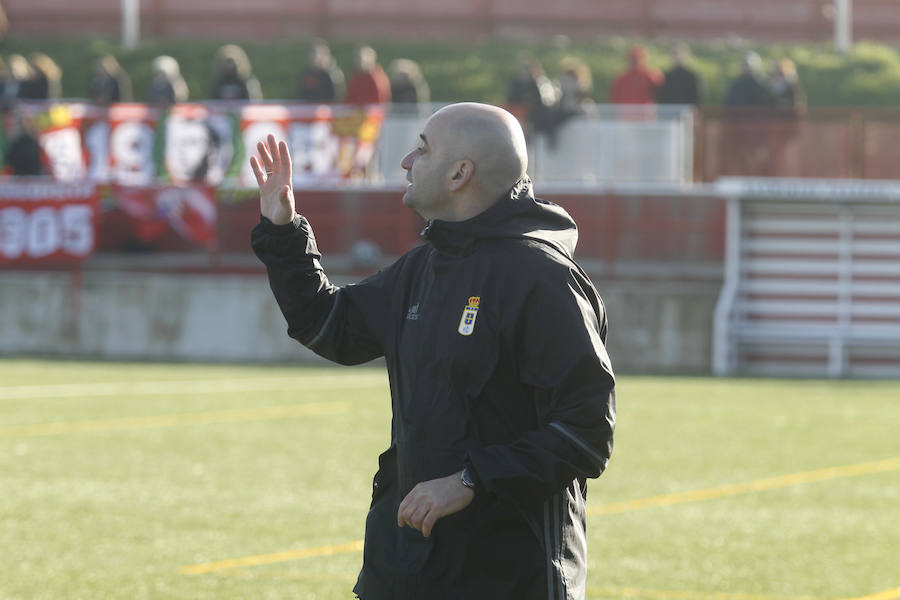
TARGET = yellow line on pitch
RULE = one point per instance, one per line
(175, 420)
(759, 485)
(265, 559)
(891, 594)
(684, 595)
(890, 464)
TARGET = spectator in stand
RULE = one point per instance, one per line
(22, 155)
(323, 81)
(234, 78)
(749, 90)
(110, 83)
(788, 97)
(20, 72)
(746, 149)
(531, 97)
(408, 85)
(369, 84)
(639, 83)
(789, 106)
(45, 82)
(167, 86)
(681, 84)
(574, 88)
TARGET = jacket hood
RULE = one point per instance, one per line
(517, 215)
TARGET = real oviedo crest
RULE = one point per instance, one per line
(467, 322)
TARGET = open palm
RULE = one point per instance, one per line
(273, 172)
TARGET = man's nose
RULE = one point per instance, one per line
(407, 161)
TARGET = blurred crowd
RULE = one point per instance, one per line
(541, 103)
(38, 77)
(544, 103)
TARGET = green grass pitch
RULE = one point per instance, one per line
(137, 481)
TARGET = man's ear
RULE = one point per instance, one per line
(462, 173)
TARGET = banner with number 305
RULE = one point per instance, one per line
(47, 221)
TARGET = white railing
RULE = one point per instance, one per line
(609, 144)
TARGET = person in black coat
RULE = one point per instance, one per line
(322, 82)
(234, 78)
(749, 90)
(110, 83)
(22, 155)
(408, 85)
(746, 148)
(167, 86)
(682, 85)
(502, 390)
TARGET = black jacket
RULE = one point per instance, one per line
(494, 342)
(681, 86)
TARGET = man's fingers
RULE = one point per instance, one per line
(401, 512)
(419, 516)
(273, 150)
(265, 156)
(428, 523)
(257, 171)
(285, 156)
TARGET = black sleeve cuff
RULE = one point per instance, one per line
(288, 228)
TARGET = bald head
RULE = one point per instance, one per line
(491, 138)
(468, 157)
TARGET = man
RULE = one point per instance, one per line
(369, 84)
(681, 85)
(501, 388)
(322, 82)
(748, 90)
(639, 83)
(745, 141)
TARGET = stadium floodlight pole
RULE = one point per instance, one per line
(843, 25)
(131, 23)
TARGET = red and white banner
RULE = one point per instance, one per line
(327, 143)
(190, 211)
(47, 221)
(136, 144)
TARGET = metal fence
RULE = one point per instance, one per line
(824, 142)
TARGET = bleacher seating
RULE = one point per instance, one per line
(812, 279)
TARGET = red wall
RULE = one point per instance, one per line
(614, 231)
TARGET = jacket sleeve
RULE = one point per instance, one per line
(563, 360)
(321, 316)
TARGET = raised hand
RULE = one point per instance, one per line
(273, 174)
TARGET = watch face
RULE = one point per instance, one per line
(467, 479)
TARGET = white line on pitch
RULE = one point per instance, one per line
(202, 386)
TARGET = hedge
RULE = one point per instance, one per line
(868, 76)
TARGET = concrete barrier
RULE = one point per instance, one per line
(655, 326)
(119, 315)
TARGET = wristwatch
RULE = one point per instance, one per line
(466, 478)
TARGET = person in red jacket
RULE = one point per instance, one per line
(637, 85)
(369, 84)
